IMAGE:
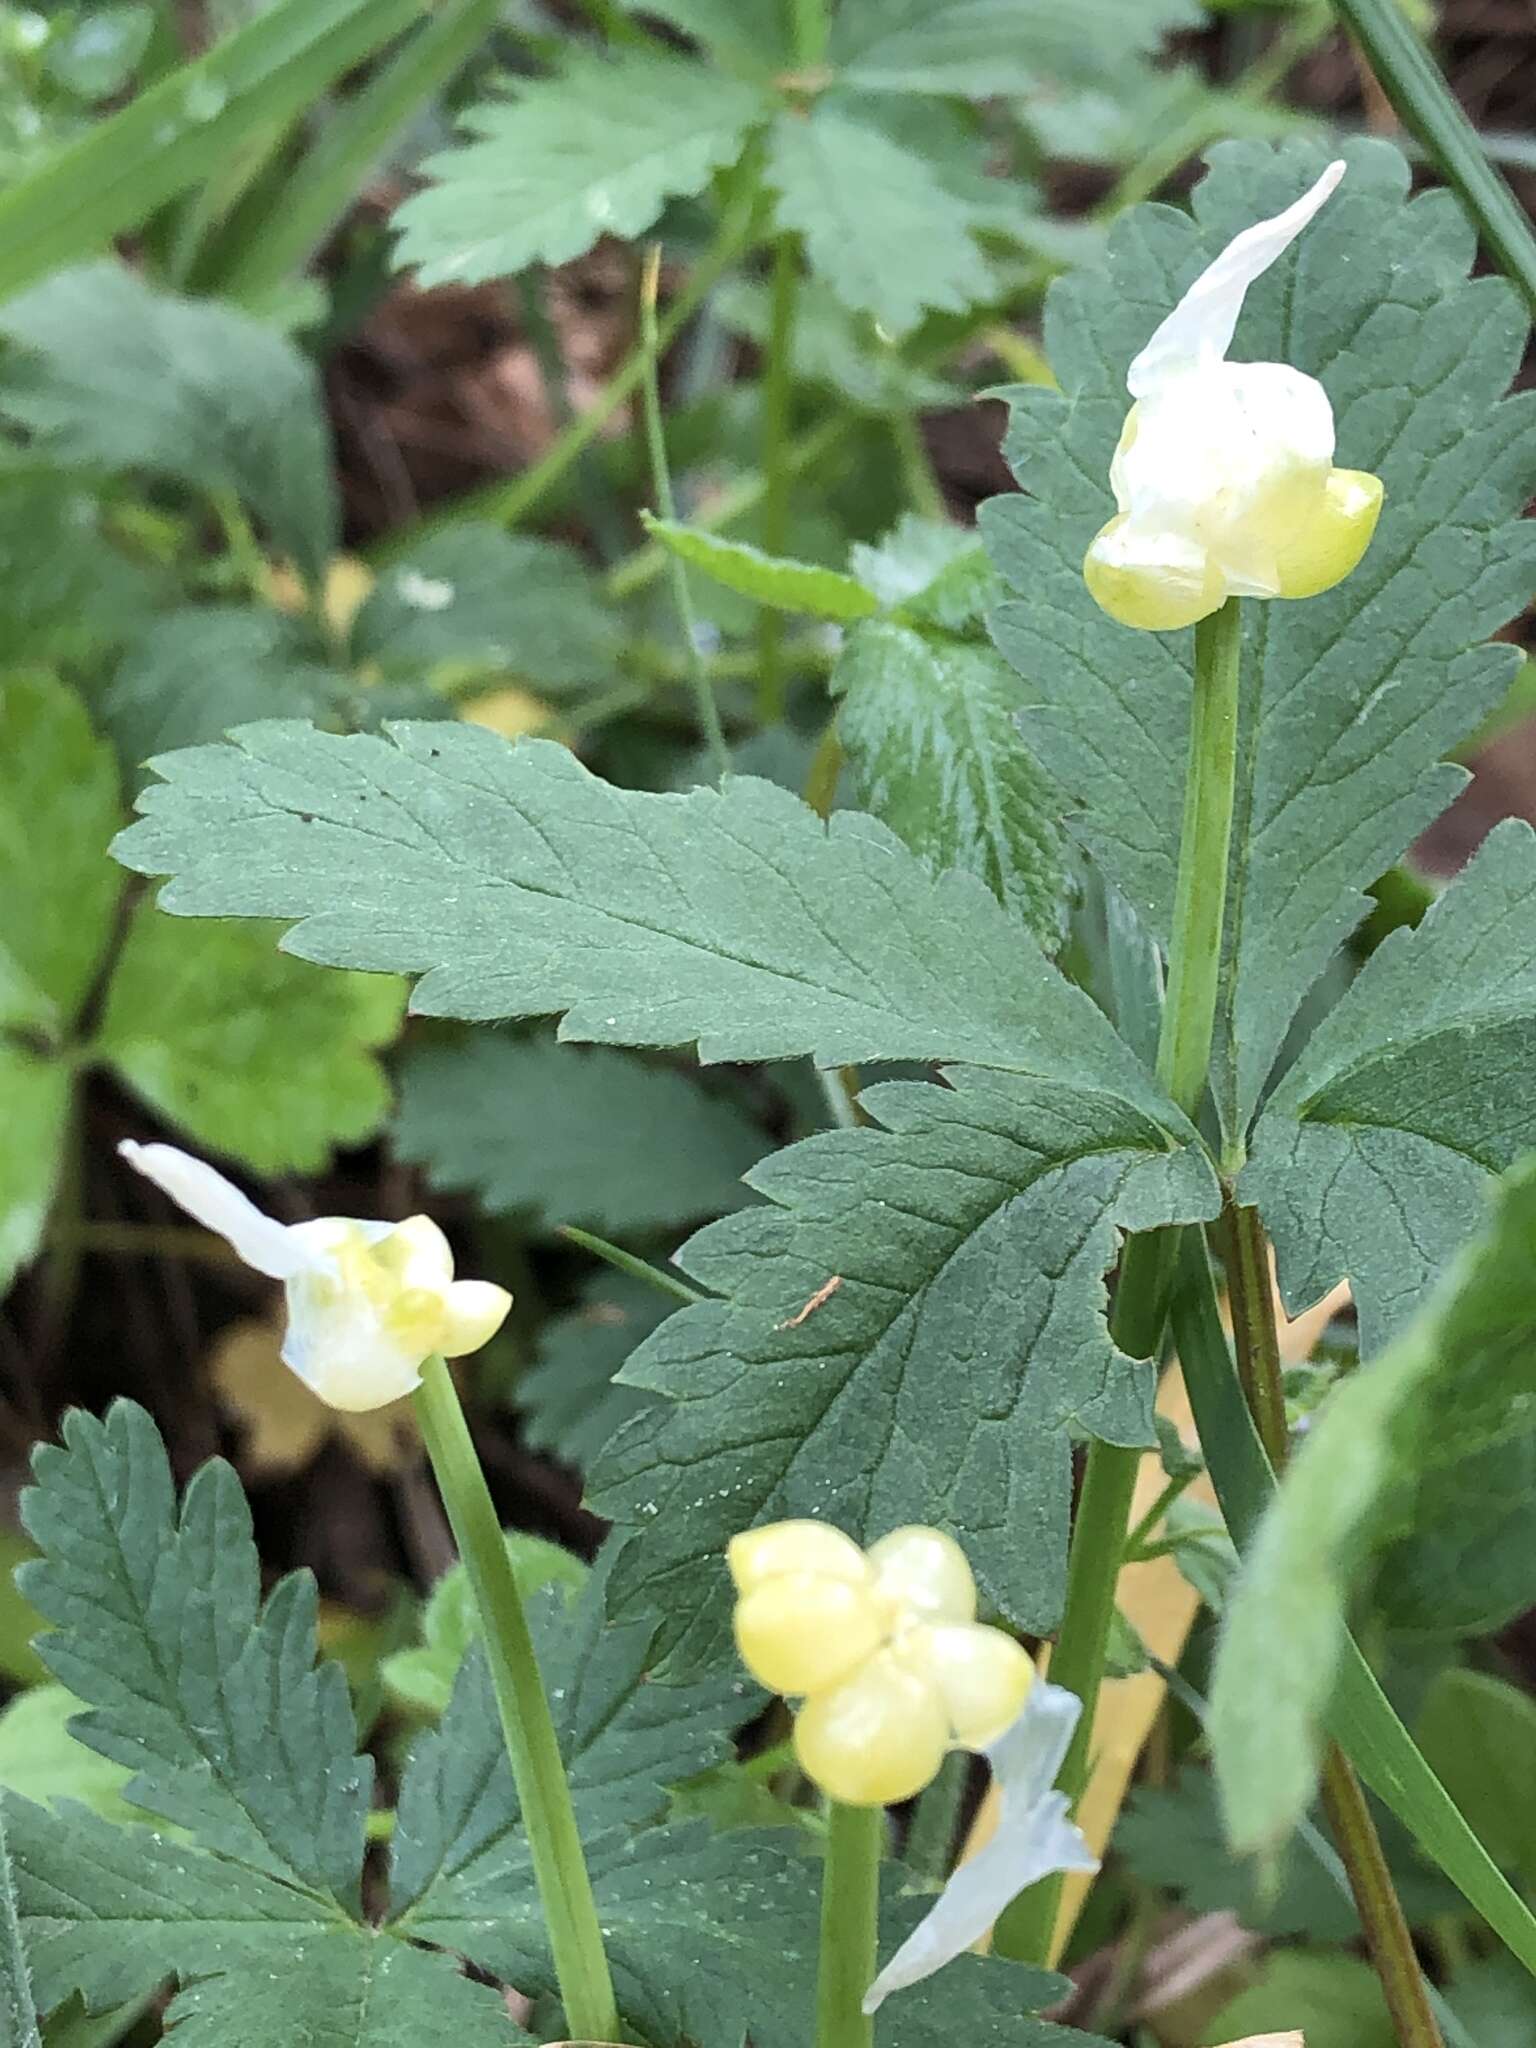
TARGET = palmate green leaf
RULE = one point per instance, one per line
(34, 1111)
(879, 224)
(1459, 1377)
(773, 580)
(58, 806)
(112, 374)
(520, 885)
(593, 1137)
(250, 1053)
(1375, 1155)
(66, 593)
(210, 1697)
(18, 2013)
(964, 1244)
(570, 1404)
(989, 47)
(1351, 699)
(594, 150)
(473, 598)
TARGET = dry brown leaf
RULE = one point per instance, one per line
(283, 1425)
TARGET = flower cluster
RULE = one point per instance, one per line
(1224, 475)
(882, 1647)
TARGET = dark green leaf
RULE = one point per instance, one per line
(18, 2014)
(963, 1244)
(1351, 699)
(570, 1404)
(1478, 1734)
(1468, 1565)
(115, 375)
(66, 593)
(595, 150)
(1495, 2000)
(568, 1136)
(772, 580)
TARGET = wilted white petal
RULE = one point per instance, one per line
(1201, 325)
(216, 1203)
(1034, 1837)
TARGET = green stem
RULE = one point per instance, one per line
(560, 1869)
(1246, 1257)
(1142, 1293)
(917, 470)
(666, 504)
(809, 23)
(850, 1924)
(936, 1820)
(778, 389)
(626, 1262)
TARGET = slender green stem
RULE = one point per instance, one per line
(850, 1924)
(936, 1819)
(917, 470)
(810, 25)
(1137, 1540)
(560, 1869)
(626, 1262)
(1245, 1254)
(609, 520)
(778, 391)
(666, 504)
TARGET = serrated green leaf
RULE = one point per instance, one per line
(985, 48)
(966, 1242)
(1334, 2001)
(837, 348)
(929, 724)
(66, 593)
(594, 150)
(569, 1401)
(35, 1094)
(212, 1698)
(249, 1052)
(1478, 1734)
(1374, 1158)
(1458, 1377)
(115, 375)
(42, 1761)
(594, 1137)
(773, 580)
(59, 804)
(879, 226)
(474, 598)
(931, 574)
(423, 1674)
(1351, 699)
(196, 673)
(524, 886)
(18, 2013)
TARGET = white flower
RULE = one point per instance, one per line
(1224, 474)
(1034, 1837)
(368, 1303)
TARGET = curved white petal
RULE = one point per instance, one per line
(1033, 1838)
(1201, 325)
(216, 1203)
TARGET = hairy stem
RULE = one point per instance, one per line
(560, 1868)
(850, 1917)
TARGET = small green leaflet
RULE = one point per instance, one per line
(774, 580)
(986, 48)
(423, 1675)
(18, 2014)
(66, 593)
(1374, 1157)
(567, 1135)
(518, 884)
(1353, 698)
(113, 375)
(966, 1241)
(594, 150)
(569, 1402)
(888, 236)
(1459, 1377)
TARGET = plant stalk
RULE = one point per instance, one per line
(560, 1868)
(778, 392)
(850, 1923)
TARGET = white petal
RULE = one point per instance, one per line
(1201, 325)
(1033, 1838)
(218, 1205)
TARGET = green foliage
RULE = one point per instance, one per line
(1352, 699)
(986, 47)
(967, 1240)
(773, 580)
(1334, 2000)
(1457, 1378)
(423, 1674)
(563, 1135)
(66, 592)
(17, 2010)
(570, 1401)
(1468, 1566)
(1495, 2001)
(40, 1758)
(1479, 1735)
(114, 375)
(596, 149)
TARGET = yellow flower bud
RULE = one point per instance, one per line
(878, 1737)
(1322, 549)
(982, 1676)
(801, 1632)
(926, 1571)
(759, 1554)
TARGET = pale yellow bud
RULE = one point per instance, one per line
(924, 1572)
(800, 1632)
(878, 1737)
(982, 1676)
(1322, 549)
(759, 1554)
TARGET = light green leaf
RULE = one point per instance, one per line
(474, 598)
(17, 2011)
(965, 1243)
(115, 375)
(986, 48)
(929, 724)
(59, 805)
(1460, 1376)
(834, 347)
(95, 55)
(1351, 699)
(594, 150)
(935, 574)
(423, 1675)
(41, 1760)
(210, 1697)
(1334, 2001)
(525, 886)
(757, 37)
(772, 580)
(569, 1401)
(34, 1113)
(1478, 1734)
(879, 226)
(66, 593)
(569, 1136)
(249, 1052)
(19, 1619)
(1374, 1158)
